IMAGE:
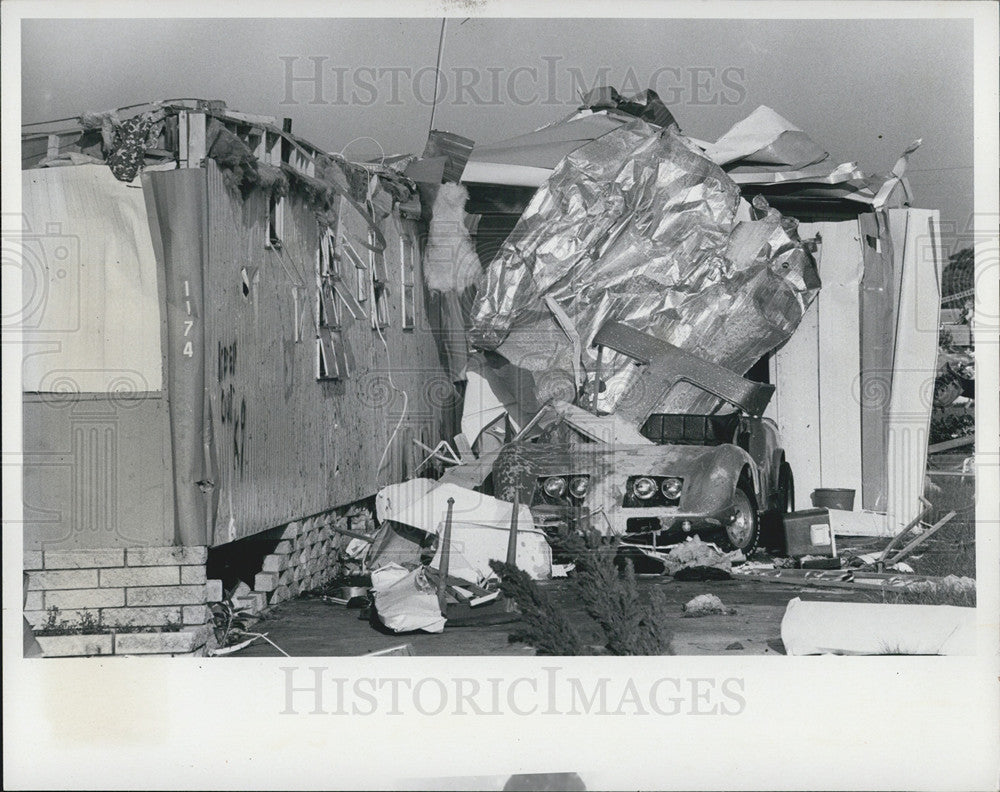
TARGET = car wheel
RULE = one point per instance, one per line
(743, 532)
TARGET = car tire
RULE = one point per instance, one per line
(743, 532)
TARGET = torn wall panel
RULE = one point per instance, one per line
(91, 316)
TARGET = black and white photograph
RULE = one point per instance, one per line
(463, 395)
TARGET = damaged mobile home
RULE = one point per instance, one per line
(630, 329)
(224, 343)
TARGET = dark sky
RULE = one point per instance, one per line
(862, 89)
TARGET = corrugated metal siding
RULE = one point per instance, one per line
(287, 445)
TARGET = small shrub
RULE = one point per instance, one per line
(229, 622)
(542, 624)
(632, 624)
(90, 624)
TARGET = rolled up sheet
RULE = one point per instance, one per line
(861, 628)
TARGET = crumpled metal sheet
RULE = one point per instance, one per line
(639, 226)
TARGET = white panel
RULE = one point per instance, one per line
(795, 405)
(91, 310)
(840, 269)
(914, 365)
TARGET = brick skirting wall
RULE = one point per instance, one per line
(118, 592)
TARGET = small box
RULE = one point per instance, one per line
(808, 532)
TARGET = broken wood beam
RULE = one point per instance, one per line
(921, 538)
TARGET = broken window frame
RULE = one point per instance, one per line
(330, 361)
(327, 275)
(407, 287)
(352, 255)
(274, 227)
(378, 283)
(332, 355)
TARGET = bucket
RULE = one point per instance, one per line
(832, 498)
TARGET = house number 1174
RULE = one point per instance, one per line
(188, 350)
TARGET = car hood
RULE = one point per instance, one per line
(709, 472)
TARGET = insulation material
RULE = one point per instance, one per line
(528, 160)
(450, 260)
(91, 315)
(640, 227)
(854, 628)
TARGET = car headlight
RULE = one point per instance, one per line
(554, 486)
(671, 488)
(644, 488)
(578, 486)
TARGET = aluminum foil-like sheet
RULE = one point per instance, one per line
(639, 226)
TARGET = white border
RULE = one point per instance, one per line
(818, 723)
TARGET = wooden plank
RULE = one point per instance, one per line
(247, 118)
(273, 149)
(840, 357)
(182, 138)
(196, 139)
(948, 445)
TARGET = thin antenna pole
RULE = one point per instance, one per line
(437, 73)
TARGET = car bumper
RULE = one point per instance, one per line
(640, 526)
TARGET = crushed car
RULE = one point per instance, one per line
(720, 475)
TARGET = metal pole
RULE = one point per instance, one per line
(512, 536)
(509, 605)
(445, 554)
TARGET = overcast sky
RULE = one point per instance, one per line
(862, 89)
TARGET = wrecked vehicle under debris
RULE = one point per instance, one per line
(719, 478)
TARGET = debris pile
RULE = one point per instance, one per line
(704, 605)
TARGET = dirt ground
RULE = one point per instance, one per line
(312, 627)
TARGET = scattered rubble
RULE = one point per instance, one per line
(406, 600)
(705, 605)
